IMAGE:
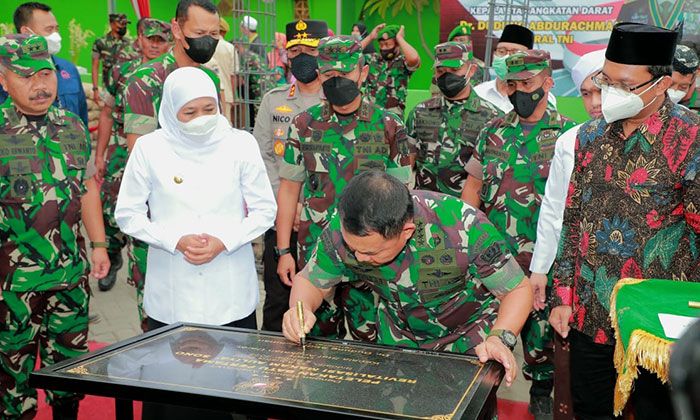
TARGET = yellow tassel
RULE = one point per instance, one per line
(645, 350)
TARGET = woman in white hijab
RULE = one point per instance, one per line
(197, 192)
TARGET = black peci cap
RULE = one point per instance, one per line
(640, 44)
(518, 35)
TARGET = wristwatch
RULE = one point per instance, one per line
(507, 337)
(284, 251)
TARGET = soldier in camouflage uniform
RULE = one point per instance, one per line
(44, 190)
(144, 87)
(685, 73)
(277, 109)
(445, 127)
(463, 33)
(327, 145)
(155, 39)
(108, 49)
(390, 68)
(437, 264)
(508, 171)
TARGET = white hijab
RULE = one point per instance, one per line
(182, 86)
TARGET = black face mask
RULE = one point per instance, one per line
(201, 49)
(304, 68)
(451, 84)
(388, 54)
(525, 103)
(340, 90)
(121, 31)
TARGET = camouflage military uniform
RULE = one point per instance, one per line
(464, 29)
(324, 151)
(44, 271)
(685, 61)
(110, 49)
(277, 109)
(439, 292)
(514, 164)
(445, 130)
(142, 95)
(387, 81)
(116, 156)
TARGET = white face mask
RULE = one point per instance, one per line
(618, 104)
(676, 95)
(54, 43)
(199, 128)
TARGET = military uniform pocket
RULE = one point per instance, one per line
(19, 183)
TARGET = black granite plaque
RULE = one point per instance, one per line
(262, 373)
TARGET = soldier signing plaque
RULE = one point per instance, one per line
(264, 374)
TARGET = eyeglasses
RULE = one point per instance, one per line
(600, 80)
(501, 51)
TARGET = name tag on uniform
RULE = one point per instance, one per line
(316, 147)
(372, 148)
(17, 145)
(496, 152)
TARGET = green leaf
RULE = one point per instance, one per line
(587, 273)
(604, 286)
(663, 245)
(692, 239)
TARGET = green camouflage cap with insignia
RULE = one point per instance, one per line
(388, 32)
(685, 60)
(25, 54)
(464, 28)
(340, 53)
(118, 17)
(452, 54)
(156, 27)
(526, 64)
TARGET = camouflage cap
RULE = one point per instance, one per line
(452, 54)
(340, 53)
(156, 27)
(25, 54)
(464, 28)
(118, 17)
(526, 64)
(685, 60)
(388, 32)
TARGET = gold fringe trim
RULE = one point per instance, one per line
(644, 349)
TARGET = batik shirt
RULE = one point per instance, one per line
(631, 211)
(440, 292)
